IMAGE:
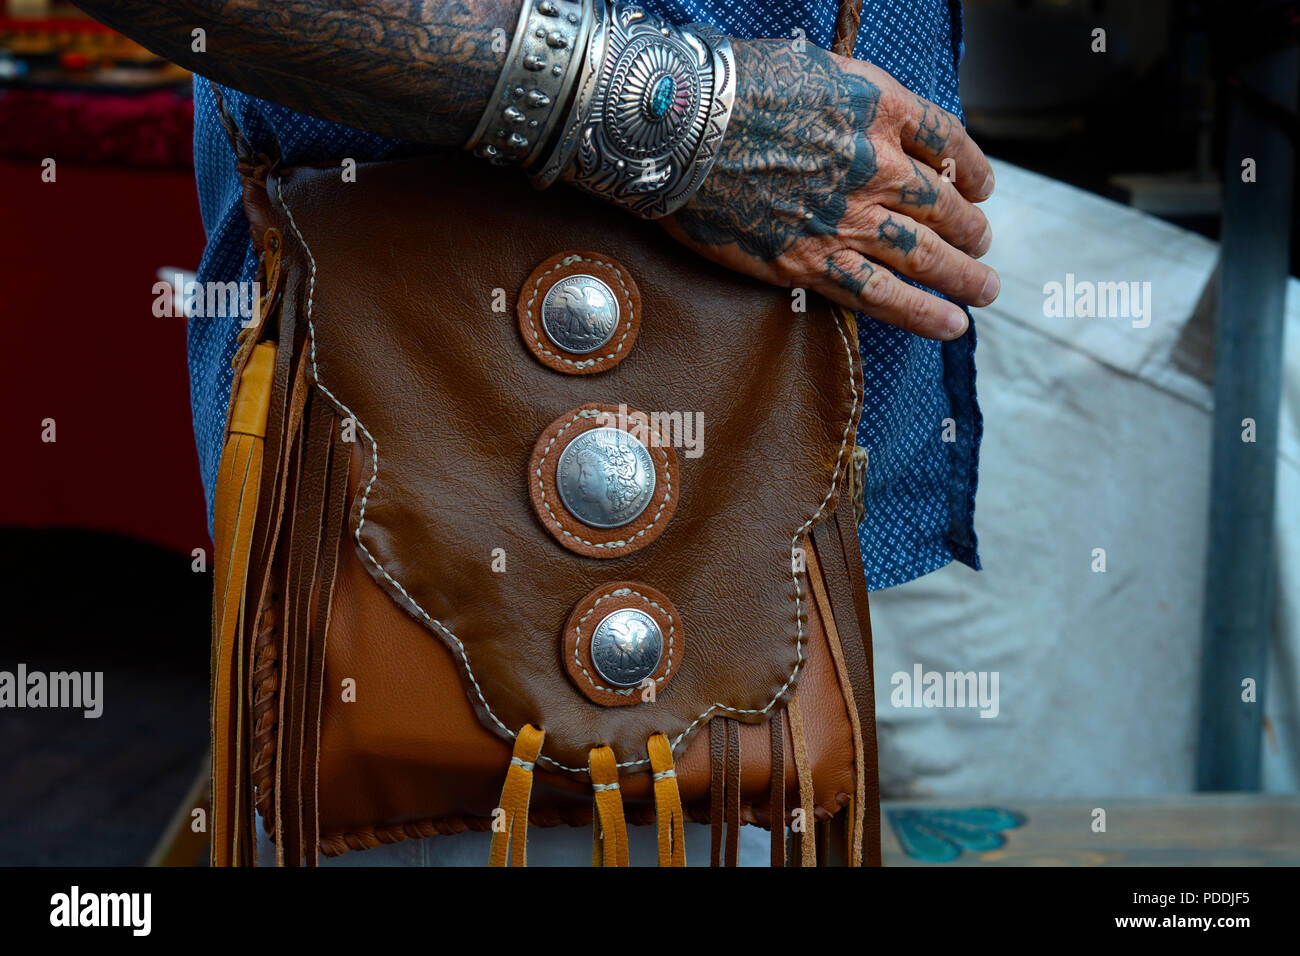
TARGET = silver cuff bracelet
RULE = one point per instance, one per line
(651, 109)
(539, 74)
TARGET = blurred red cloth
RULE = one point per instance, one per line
(142, 129)
(79, 344)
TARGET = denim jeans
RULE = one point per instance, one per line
(547, 846)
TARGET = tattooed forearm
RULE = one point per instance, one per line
(412, 69)
(810, 167)
(848, 280)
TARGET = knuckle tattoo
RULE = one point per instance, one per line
(917, 190)
(849, 272)
(896, 235)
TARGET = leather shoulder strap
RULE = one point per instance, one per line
(846, 27)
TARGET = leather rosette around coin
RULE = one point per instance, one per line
(531, 464)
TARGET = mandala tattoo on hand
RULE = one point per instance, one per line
(797, 148)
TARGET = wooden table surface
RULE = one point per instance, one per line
(1178, 830)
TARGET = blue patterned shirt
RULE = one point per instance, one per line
(920, 489)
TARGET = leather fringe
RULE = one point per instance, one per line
(858, 802)
(669, 818)
(805, 840)
(510, 843)
(724, 791)
(288, 396)
(733, 791)
(776, 799)
(840, 561)
(717, 788)
(235, 508)
(317, 516)
(609, 828)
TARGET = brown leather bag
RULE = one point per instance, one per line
(405, 608)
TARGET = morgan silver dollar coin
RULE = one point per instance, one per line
(605, 477)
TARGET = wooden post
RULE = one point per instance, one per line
(1239, 577)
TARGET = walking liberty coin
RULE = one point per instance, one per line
(580, 313)
(605, 477)
(626, 647)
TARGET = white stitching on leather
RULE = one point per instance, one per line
(460, 647)
(668, 472)
(374, 474)
(577, 629)
(627, 327)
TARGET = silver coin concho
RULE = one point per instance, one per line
(626, 647)
(605, 477)
(580, 313)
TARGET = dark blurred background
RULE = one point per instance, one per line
(98, 531)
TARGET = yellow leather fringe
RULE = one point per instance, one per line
(610, 828)
(511, 842)
(234, 510)
(668, 803)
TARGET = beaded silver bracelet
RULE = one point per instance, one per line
(540, 70)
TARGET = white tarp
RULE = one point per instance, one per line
(1095, 437)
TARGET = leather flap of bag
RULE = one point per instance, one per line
(396, 277)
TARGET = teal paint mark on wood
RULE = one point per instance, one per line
(940, 835)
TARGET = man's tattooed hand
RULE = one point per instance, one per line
(831, 169)
(786, 171)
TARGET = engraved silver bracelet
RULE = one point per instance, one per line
(651, 108)
(540, 71)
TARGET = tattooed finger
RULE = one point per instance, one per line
(929, 198)
(851, 276)
(936, 137)
(918, 252)
(856, 283)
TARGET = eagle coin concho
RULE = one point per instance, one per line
(605, 477)
(626, 647)
(623, 643)
(580, 313)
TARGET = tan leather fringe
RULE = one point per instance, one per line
(238, 487)
(807, 840)
(846, 689)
